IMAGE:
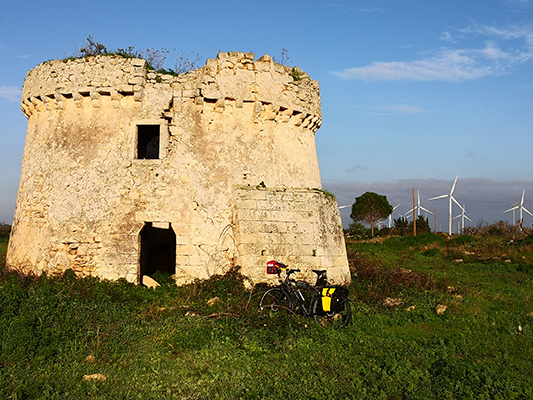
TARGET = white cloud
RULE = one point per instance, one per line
(396, 110)
(448, 65)
(371, 9)
(455, 65)
(10, 93)
(519, 2)
(447, 37)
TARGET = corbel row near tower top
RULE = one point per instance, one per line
(233, 76)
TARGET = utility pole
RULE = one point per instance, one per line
(414, 215)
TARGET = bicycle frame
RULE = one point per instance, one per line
(291, 286)
(288, 296)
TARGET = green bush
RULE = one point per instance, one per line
(5, 230)
(358, 230)
(462, 240)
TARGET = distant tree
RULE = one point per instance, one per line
(422, 225)
(357, 229)
(385, 231)
(401, 225)
(370, 208)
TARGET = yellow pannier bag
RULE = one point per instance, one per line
(327, 294)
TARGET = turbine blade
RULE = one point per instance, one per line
(526, 210)
(511, 209)
(523, 194)
(454, 183)
(439, 197)
(456, 202)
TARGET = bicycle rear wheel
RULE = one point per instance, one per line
(276, 300)
(332, 319)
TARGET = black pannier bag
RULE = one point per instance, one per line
(322, 280)
(332, 300)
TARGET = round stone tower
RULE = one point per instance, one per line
(127, 171)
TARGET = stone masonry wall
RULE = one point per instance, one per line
(300, 228)
(84, 197)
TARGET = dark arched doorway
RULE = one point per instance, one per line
(158, 249)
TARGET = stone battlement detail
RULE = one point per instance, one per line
(265, 88)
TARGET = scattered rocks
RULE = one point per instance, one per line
(213, 301)
(410, 308)
(150, 282)
(94, 377)
(390, 302)
(90, 359)
(440, 309)
(458, 260)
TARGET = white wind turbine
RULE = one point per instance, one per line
(514, 204)
(450, 196)
(390, 216)
(418, 208)
(462, 216)
(521, 207)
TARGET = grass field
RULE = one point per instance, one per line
(170, 344)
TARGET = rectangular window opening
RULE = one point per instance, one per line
(148, 138)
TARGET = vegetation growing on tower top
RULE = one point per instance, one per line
(155, 58)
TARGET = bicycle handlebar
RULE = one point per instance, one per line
(292, 271)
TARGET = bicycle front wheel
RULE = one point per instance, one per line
(333, 319)
(276, 300)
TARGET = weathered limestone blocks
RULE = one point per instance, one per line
(212, 168)
(232, 77)
(299, 227)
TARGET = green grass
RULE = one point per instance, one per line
(170, 344)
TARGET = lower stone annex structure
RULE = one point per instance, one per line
(127, 171)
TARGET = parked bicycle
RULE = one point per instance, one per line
(327, 304)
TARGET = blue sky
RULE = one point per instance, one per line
(414, 92)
